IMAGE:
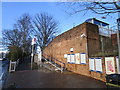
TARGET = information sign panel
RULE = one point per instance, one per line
(91, 64)
(77, 58)
(98, 65)
(72, 58)
(68, 58)
(83, 58)
(110, 65)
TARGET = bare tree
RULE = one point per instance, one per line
(96, 7)
(21, 34)
(24, 25)
(12, 37)
(46, 27)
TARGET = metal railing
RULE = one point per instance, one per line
(108, 44)
(54, 62)
(13, 65)
(106, 31)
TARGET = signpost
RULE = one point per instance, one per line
(32, 54)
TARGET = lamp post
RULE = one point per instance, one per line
(118, 40)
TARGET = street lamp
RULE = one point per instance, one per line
(118, 39)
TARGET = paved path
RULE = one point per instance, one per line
(49, 79)
(40, 79)
(24, 65)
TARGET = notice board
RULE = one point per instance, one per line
(68, 58)
(110, 65)
(65, 55)
(72, 58)
(83, 58)
(77, 58)
(91, 64)
(98, 65)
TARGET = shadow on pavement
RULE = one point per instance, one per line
(24, 65)
(24, 77)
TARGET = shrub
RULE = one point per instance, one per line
(15, 53)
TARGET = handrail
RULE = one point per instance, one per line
(58, 60)
(53, 59)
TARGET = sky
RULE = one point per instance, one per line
(11, 11)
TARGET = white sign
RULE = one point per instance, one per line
(68, 58)
(71, 49)
(91, 64)
(39, 56)
(32, 54)
(39, 52)
(77, 58)
(83, 58)
(65, 55)
(72, 58)
(38, 49)
(33, 41)
(98, 65)
(110, 65)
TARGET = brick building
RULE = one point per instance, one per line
(84, 38)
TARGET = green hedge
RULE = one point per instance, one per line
(15, 53)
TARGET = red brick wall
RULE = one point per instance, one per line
(93, 39)
(72, 39)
